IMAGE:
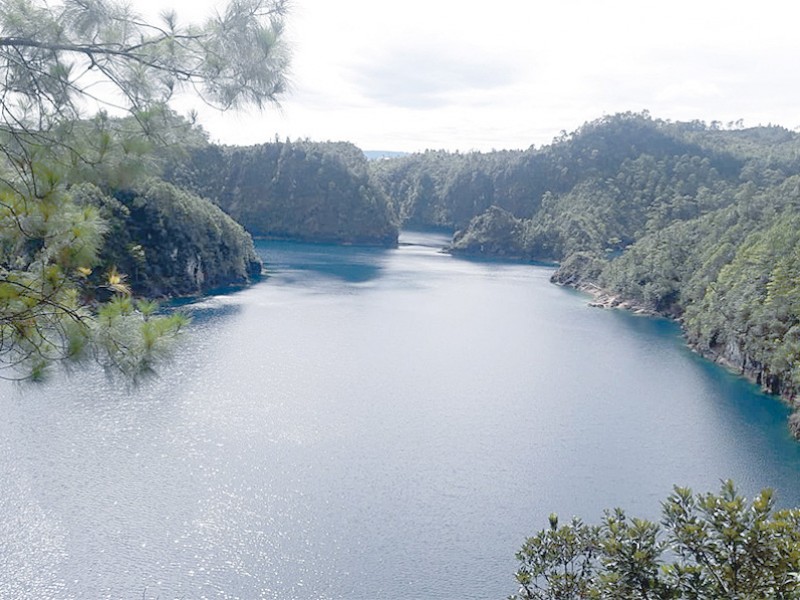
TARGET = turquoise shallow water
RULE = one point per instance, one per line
(366, 423)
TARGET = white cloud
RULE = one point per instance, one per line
(688, 91)
(430, 76)
(468, 75)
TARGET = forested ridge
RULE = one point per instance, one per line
(299, 190)
(180, 214)
(693, 221)
(168, 242)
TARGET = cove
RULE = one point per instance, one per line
(367, 423)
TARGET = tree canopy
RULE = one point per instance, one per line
(706, 547)
(300, 190)
(60, 63)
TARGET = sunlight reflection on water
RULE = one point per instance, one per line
(365, 423)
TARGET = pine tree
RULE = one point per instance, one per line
(58, 64)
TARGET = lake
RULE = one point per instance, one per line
(362, 424)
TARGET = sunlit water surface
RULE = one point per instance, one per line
(366, 424)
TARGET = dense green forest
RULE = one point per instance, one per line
(168, 242)
(165, 241)
(179, 213)
(692, 221)
(193, 234)
(301, 190)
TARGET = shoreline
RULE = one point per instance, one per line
(731, 359)
(606, 299)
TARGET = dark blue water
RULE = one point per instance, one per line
(366, 424)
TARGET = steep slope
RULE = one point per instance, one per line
(168, 242)
(309, 191)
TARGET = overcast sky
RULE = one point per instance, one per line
(499, 74)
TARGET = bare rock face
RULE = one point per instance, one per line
(794, 424)
(735, 358)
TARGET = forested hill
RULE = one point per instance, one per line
(160, 240)
(192, 233)
(321, 192)
(697, 222)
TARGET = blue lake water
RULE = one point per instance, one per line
(365, 424)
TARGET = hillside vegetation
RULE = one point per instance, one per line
(168, 242)
(164, 241)
(58, 61)
(193, 234)
(696, 222)
(705, 547)
(309, 191)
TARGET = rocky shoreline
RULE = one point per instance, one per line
(604, 299)
(730, 357)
